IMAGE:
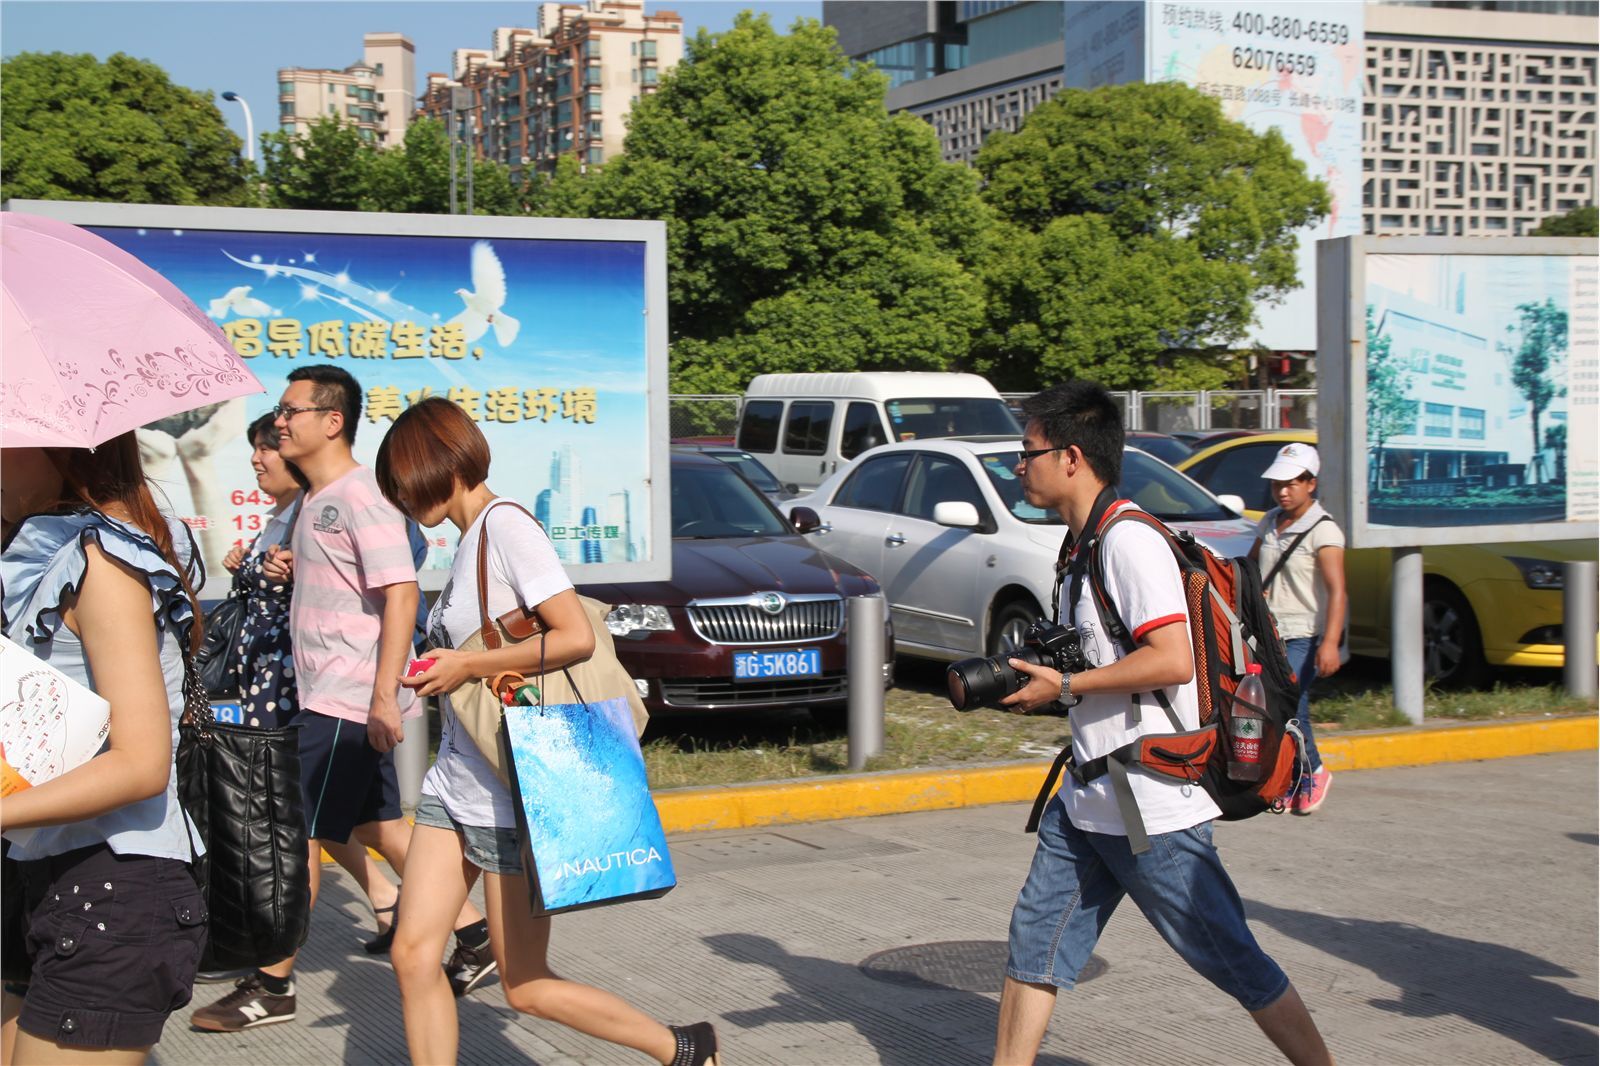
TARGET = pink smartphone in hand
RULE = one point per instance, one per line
(418, 666)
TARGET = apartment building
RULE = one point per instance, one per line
(560, 87)
(376, 94)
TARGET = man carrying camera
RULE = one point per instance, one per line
(1083, 866)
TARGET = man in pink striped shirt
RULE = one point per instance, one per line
(352, 617)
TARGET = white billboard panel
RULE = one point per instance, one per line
(1297, 68)
(1466, 371)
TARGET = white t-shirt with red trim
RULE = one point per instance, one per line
(1142, 580)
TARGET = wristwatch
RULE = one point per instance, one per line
(1067, 698)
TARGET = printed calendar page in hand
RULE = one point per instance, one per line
(49, 723)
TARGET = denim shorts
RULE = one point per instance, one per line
(1078, 878)
(494, 851)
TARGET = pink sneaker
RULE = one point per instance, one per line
(1312, 793)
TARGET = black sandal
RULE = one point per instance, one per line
(379, 945)
(697, 1045)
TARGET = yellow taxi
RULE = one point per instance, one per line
(1486, 604)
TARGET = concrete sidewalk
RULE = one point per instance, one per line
(1432, 914)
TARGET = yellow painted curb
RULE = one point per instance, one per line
(689, 810)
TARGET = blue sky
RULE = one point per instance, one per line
(240, 44)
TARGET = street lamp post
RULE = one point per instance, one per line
(249, 124)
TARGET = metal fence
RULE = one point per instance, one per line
(692, 416)
(689, 417)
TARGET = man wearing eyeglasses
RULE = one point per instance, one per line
(352, 617)
(1084, 865)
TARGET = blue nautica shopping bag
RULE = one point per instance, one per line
(590, 831)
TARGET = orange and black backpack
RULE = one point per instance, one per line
(1230, 627)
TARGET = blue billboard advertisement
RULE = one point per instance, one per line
(546, 343)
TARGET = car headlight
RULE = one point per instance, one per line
(628, 618)
(1539, 573)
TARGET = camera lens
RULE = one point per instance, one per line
(972, 682)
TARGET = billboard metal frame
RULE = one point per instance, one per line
(652, 234)
(1342, 386)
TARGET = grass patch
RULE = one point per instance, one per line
(921, 731)
(1360, 697)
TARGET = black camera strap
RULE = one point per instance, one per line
(1076, 565)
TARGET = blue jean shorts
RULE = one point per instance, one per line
(1078, 878)
(494, 851)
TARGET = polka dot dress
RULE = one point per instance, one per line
(265, 656)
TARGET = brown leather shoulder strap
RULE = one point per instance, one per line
(491, 638)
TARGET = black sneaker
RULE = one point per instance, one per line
(247, 1006)
(469, 967)
(217, 977)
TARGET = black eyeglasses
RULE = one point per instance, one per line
(1023, 457)
(285, 412)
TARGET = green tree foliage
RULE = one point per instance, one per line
(76, 128)
(1555, 438)
(1390, 410)
(323, 169)
(330, 167)
(416, 177)
(1139, 228)
(1541, 334)
(1579, 222)
(807, 228)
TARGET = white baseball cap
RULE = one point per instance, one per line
(1293, 460)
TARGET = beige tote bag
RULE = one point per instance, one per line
(477, 704)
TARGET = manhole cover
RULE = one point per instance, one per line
(965, 965)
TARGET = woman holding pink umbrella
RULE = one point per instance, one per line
(97, 582)
(100, 585)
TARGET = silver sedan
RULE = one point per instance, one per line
(965, 561)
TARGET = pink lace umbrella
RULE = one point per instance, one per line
(94, 343)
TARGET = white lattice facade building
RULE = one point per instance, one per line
(1478, 124)
(963, 124)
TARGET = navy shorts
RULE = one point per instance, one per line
(345, 780)
(113, 943)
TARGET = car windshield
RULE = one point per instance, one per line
(751, 467)
(710, 502)
(1146, 481)
(1168, 449)
(920, 419)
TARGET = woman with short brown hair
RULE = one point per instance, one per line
(433, 465)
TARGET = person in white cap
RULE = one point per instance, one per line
(1300, 550)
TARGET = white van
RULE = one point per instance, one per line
(805, 426)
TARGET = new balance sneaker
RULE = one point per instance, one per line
(469, 967)
(1312, 793)
(247, 1006)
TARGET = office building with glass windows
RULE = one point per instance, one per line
(967, 67)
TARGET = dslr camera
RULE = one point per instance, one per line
(978, 681)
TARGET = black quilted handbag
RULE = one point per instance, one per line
(241, 786)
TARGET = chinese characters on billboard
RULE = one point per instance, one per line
(542, 342)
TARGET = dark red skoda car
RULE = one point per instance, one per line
(754, 617)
